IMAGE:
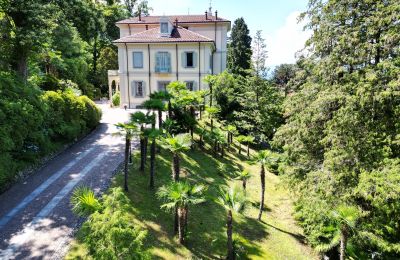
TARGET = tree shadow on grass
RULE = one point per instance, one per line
(298, 237)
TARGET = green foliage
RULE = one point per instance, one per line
(116, 99)
(239, 50)
(84, 203)
(69, 116)
(110, 234)
(232, 198)
(181, 194)
(251, 104)
(178, 143)
(282, 75)
(340, 139)
(35, 123)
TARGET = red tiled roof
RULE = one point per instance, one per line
(178, 34)
(172, 18)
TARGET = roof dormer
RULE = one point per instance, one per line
(166, 27)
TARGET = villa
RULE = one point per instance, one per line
(155, 50)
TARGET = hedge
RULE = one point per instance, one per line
(34, 123)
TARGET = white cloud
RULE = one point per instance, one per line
(286, 41)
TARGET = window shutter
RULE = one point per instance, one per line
(144, 88)
(158, 62)
(133, 89)
(195, 59)
(183, 60)
(168, 61)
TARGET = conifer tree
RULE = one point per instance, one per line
(239, 51)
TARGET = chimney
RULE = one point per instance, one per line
(206, 13)
(176, 22)
(140, 15)
(216, 15)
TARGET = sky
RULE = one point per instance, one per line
(277, 19)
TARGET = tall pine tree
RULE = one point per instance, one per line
(239, 51)
(342, 131)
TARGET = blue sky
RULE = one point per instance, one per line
(276, 18)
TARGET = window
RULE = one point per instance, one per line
(138, 88)
(163, 62)
(190, 85)
(189, 59)
(137, 59)
(164, 27)
(162, 85)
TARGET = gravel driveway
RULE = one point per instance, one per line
(36, 221)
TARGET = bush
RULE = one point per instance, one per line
(116, 99)
(34, 123)
(110, 233)
(274, 162)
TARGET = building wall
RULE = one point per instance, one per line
(150, 78)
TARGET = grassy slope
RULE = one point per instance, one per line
(277, 237)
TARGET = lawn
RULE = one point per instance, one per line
(276, 237)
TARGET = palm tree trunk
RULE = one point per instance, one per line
(152, 162)
(244, 184)
(343, 242)
(231, 254)
(248, 150)
(212, 124)
(169, 109)
(160, 119)
(176, 167)
(130, 152)
(181, 225)
(146, 141)
(222, 151)
(262, 176)
(126, 164)
(142, 159)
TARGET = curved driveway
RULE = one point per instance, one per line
(36, 221)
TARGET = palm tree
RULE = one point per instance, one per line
(241, 139)
(212, 113)
(244, 176)
(262, 158)
(179, 195)
(344, 220)
(142, 120)
(232, 199)
(156, 103)
(84, 203)
(152, 134)
(249, 140)
(231, 129)
(177, 145)
(128, 131)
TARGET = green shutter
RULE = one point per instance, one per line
(183, 59)
(168, 67)
(195, 59)
(158, 62)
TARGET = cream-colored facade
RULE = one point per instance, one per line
(209, 56)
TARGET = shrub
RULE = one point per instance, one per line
(110, 233)
(274, 162)
(34, 123)
(116, 99)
